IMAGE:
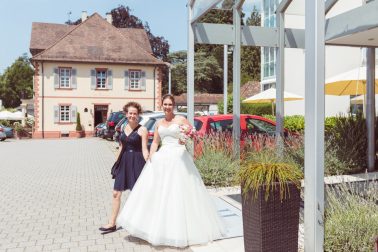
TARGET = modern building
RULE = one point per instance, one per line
(339, 59)
(93, 69)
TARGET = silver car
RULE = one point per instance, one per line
(2, 135)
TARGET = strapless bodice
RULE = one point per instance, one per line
(169, 135)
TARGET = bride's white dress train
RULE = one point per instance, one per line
(169, 204)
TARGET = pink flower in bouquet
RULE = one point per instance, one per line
(186, 132)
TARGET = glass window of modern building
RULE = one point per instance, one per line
(269, 58)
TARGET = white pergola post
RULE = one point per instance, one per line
(236, 79)
(370, 106)
(314, 121)
(225, 77)
(280, 65)
(190, 65)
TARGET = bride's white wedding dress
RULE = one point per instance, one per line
(169, 204)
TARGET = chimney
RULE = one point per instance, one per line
(84, 16)
(109, 18)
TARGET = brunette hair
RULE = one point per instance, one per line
(134, 105)
(168, 96)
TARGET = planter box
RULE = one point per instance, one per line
(271, 225)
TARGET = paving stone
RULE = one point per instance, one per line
(64, 199)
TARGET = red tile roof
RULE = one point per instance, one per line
(94, 40)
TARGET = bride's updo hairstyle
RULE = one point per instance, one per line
(168, 96)
(134, 105)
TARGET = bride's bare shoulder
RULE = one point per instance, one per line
(181, 119)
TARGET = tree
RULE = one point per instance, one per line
(207, 72)
(251, 55)
(122, 18)
(17, 82)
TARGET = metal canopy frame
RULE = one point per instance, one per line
(318, 33)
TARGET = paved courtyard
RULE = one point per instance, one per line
(55, 194)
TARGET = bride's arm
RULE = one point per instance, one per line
(155, 141)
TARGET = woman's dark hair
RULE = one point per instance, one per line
(168, 96)
(134, 105)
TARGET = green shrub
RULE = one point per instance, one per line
(333, 165)
(348, 137)
(256, 109)
(294, 123)
(78, 123)
(253, 109)
(5, 123)
(215, 163)
(329, 123)
(351, 217)
(263, 165)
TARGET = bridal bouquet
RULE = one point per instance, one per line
(186, 132)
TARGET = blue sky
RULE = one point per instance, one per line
(166, 18)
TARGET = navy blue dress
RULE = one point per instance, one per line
(132, 161)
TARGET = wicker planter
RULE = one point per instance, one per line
(271, 225)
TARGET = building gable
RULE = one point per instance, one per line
(95, 40)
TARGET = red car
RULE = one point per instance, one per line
(249, 124)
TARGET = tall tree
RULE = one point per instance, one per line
(17, 82)
(122, 18)
(251, 55)
(207, 72)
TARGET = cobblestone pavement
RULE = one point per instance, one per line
(55, 194)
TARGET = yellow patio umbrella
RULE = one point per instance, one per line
(269, 96)
(352, 82)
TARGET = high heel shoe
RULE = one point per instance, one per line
(104, 229)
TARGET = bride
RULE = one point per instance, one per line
(169, 204)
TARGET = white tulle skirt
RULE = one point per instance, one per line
(169, 204)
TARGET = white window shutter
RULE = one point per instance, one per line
(56, 114)
(127, 85)
(73, 78)
(56, 77)
(73, 113)
(93, 79)
(143, 80)
(110, 79)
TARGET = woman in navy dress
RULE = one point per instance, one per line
(133, 139)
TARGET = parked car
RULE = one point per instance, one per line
(118, 128)
(2, 134)
(249, 124)
(112, 121)
(99, 129)
(149, 121)
(9, 132)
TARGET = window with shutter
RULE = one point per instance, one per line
(64, 77)
(64, 113)
(135, 79)
(101, 76)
